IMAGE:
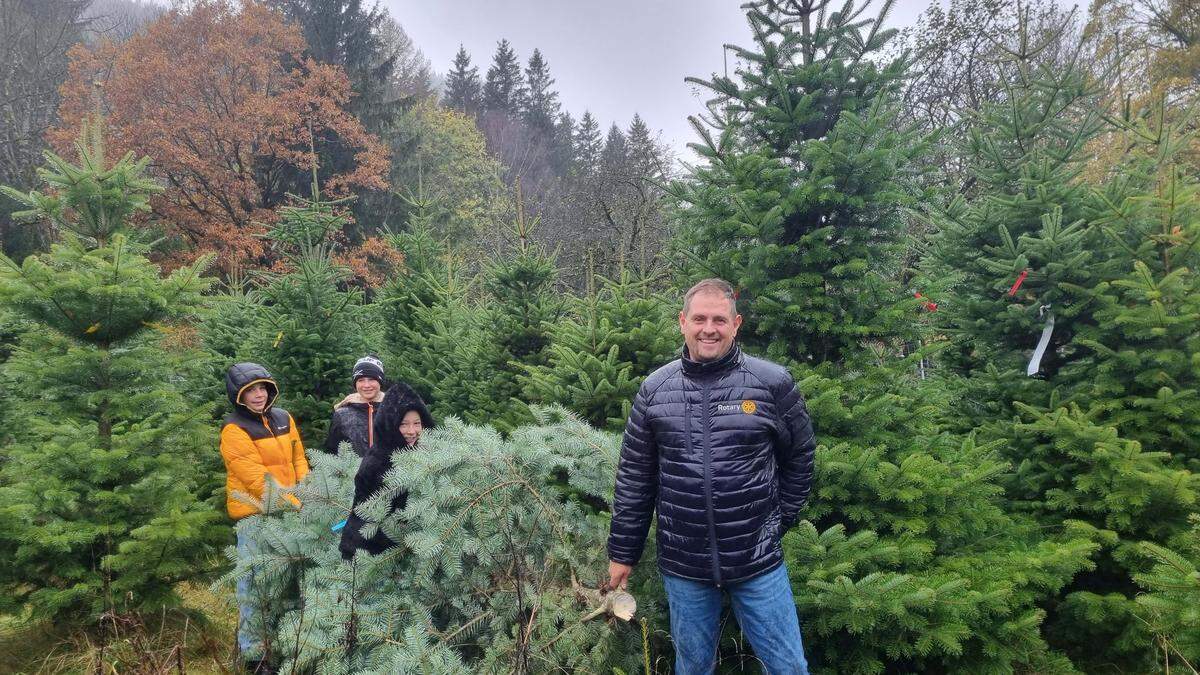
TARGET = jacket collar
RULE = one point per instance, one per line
(356, 398)
(731, 360)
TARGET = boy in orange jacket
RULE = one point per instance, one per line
(256, 439)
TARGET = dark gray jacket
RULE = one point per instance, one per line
(723, 450)
(353, 421)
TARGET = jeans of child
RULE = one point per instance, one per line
(765, 611)
(250, 616)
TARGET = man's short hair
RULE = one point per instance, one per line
(714, 286)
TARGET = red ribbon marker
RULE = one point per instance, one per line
(1017, 284)
(929, 305)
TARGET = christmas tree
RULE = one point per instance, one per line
(520, 308)
(1019, 251)
(432, 332)
(99, 509)
(500, 546)
(907, 560)
(798, 198)
(602, 349)
(1069, 309)
(1071, 321)
(463, 90)
(1115, 444)
(311, 325)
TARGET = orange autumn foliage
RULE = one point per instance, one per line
(370, 264)
(373, 262)
(1149, 53)
(219, 96)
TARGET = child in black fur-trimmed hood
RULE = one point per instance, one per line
(401, 419)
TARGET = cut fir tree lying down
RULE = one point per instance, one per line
(494, 540)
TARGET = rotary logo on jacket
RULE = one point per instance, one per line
(749, 407)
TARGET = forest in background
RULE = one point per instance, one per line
(972, 240)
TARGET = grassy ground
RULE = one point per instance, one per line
(198, 637)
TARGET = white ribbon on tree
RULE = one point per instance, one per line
(1035, 363)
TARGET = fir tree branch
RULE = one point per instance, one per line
(461, 514)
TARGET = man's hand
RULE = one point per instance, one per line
(618, 576)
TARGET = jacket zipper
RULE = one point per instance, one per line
(370, 425)
(279, 444)
(705, 421)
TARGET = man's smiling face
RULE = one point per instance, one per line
(709, 326)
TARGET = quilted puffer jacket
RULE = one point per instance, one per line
(723, 450)
(353, 421)
(256, 444)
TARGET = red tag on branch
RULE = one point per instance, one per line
(1017, 284)
(929, 305)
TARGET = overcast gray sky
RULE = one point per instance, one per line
(613, 57)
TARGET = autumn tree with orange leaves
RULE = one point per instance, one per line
(218, 95)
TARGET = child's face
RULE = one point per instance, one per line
(255, 398)
(410, 427)
(367, 387)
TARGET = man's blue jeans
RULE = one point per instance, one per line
(764, 609)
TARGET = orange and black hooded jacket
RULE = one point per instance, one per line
(254, 445)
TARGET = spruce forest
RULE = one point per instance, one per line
(974, 241)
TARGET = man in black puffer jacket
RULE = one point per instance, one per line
(721, 445)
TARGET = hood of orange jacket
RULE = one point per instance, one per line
(240, 377)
